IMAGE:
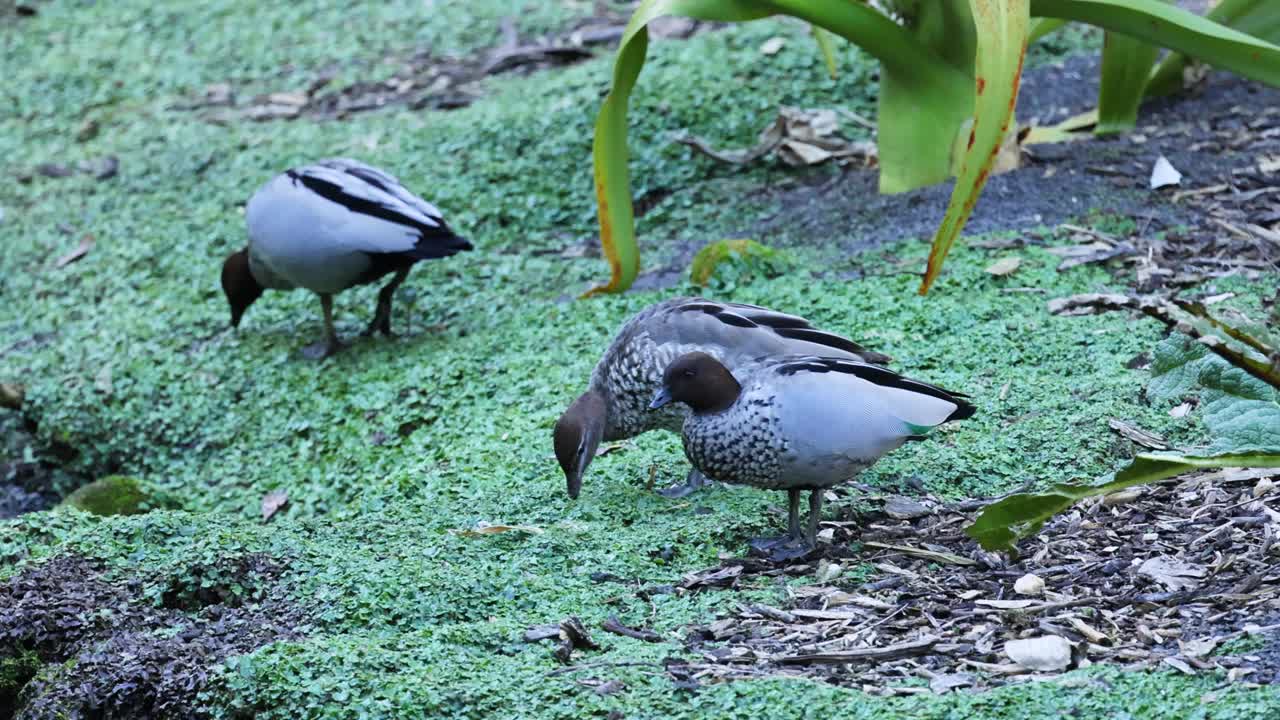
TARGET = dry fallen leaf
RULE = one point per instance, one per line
(483, 528)
(86, 244)
(1180, 411)
(1198, 648)
(773, 45)
(1048, 653)
(1004, 266)
(1006, 604)
(1164, 174)
(942, 683)
(272, 502)
(1172, 573)
(12, 395)
(800, 137)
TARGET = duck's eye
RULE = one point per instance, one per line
(582, 450)
(690, 372)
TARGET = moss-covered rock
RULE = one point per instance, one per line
(111, 495)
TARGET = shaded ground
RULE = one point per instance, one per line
(28, 480)
(79, 643)
(1217, 136)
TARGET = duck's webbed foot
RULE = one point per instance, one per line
(322, 349)
(692, 483)
(791, 546)
(781, 549)
(331, 344)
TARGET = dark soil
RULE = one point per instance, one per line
(1215, 134)
(132, 658)
(28, 480)
(943, 610)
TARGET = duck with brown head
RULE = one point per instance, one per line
(615, 405)
(798, 423)
(330, 226)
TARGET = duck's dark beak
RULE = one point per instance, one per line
(660, 398)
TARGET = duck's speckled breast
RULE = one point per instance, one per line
(742, 445)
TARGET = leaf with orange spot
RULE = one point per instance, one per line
(1002, 44)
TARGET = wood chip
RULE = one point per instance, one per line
(941, 557)
(921, 646)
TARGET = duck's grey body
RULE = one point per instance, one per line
(798, 423)
(631, 368)
(338, 223)
(813, 422)
(329, 226)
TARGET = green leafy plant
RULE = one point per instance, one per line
(945, 66)
(1241, 412)
(728, 263)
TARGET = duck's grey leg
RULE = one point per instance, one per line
(382, 315)
(330, 344)
(793, 513)
(692, 482)
(815, 514)
(791, 546)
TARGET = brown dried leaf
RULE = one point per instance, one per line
(1004, 266)
(482, 528)
(1172, 573)
(1145, 438)
(272, 502)
(713, 577)
(86, 244)
(12, 395)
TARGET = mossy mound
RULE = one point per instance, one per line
(111, 495)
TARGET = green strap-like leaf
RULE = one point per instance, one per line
(1172, 27)
(933, 79)
(1002, 46)
(1126, 67)
(1259, 18)
(826, 46)
(1006, 521)
(609, 146)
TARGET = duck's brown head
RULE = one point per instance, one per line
(239, 285)
(699, 381)
(577, 436)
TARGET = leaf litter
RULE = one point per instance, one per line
(1159, 580)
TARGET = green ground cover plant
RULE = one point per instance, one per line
(388, 452)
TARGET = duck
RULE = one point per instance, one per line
(329, 226)
(615, 405)
(798, 423)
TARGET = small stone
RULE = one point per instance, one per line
(1029, 585)
(1264, 486)
(1049, 653)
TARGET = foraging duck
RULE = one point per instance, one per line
(798, 423)
(329, 226)
(616, 403)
